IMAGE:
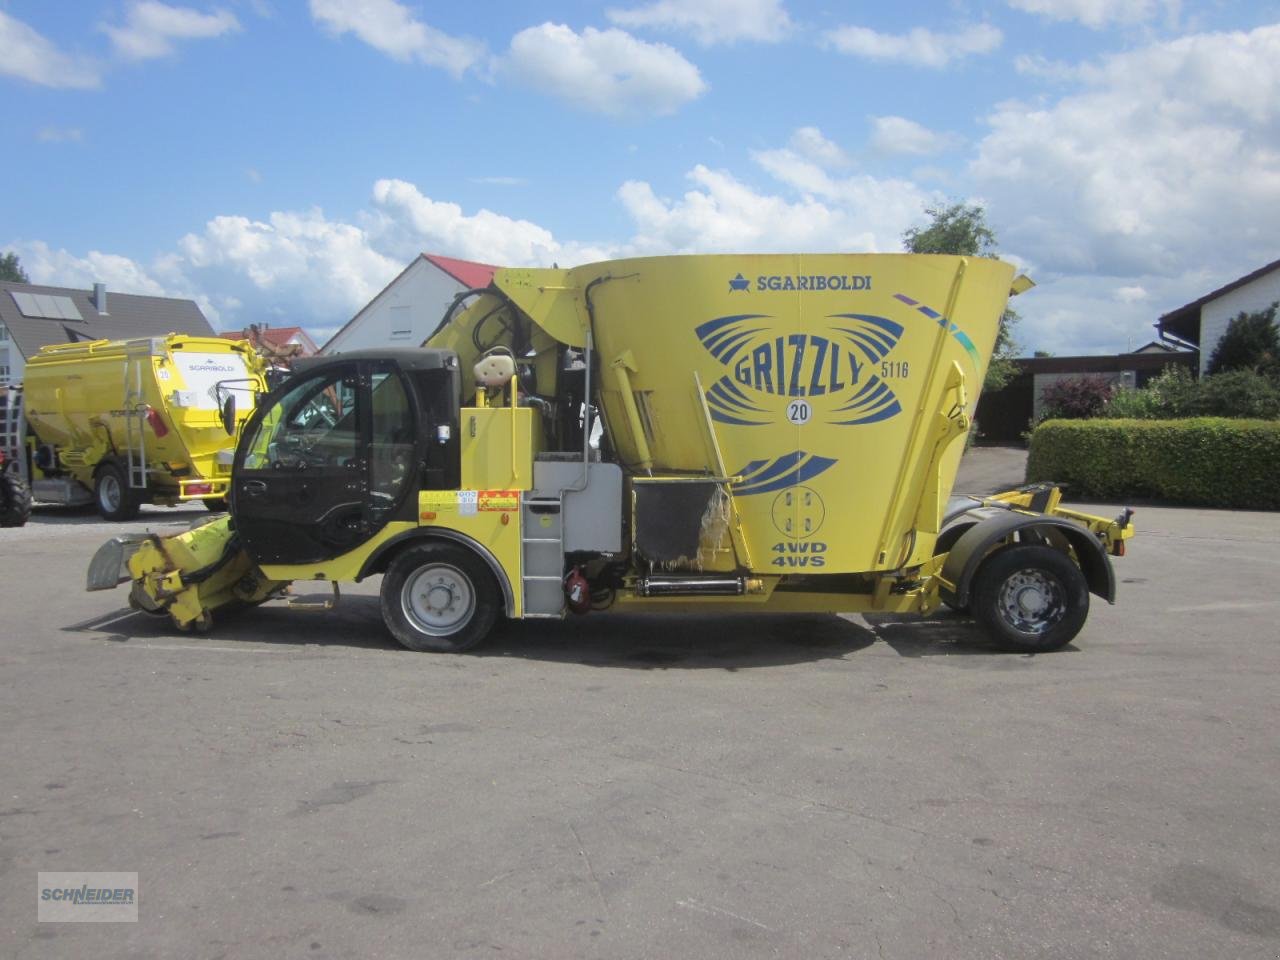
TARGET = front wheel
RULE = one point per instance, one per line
(439, 598)
(114, 499)
(1034, 599)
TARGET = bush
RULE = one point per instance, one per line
(1076, 398)
(1212, 462)
(1175, 394)
(1239, 393)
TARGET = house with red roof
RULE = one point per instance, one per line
(410, 307)
(281, 342)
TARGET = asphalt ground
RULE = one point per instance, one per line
(296, 785)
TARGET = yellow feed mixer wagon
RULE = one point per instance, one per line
(701, 433)
(127, 422)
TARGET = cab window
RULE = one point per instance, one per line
(313, 425)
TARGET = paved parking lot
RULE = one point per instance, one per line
(296, 785)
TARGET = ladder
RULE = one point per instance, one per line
(13, 431)
(135, 418)
(542, 557)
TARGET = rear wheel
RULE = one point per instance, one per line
(15, 499)
(1033, 599)
(440, 598)
(215, 504)
(114, 499)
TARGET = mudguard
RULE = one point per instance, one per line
(380, 559)
(970, 547)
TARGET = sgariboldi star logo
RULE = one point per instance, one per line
(739, 283)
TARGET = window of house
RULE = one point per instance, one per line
(401, 323)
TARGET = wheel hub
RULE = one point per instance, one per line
(438, 599)
(110, 492)
(1032, 601)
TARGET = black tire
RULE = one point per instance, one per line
(112, 496)
(1032, 599)
(439, 598)
(15, 500)
(215, 504)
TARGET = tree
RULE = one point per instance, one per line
(1252, 342)
(961, 229)
(11, 269)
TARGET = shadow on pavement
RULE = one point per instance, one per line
(631, 641)
(47, 514)
(943, 634)
(648, 642)
(680, 642)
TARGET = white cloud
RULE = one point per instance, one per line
(808, 209)
(1097, 13)
(711, 21)
(391, 28)
(918, 47)
(28, 55)
(60, 135)
(151, 27)
(813, 146)
(605, 71)
(1162, 162)
(409, 222)
(1132, 294)
(900, 135)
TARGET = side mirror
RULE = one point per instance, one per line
(229, 415)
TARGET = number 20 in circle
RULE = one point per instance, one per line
(799, 411)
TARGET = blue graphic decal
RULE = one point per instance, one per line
(839, 362)
(739, 283)
(962, 338)
(764, 476)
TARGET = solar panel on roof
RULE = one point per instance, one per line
(26, 303)
(44, 306)
(67, 308)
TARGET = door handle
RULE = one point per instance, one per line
(254, 488)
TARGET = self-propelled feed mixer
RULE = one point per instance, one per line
(701, 433)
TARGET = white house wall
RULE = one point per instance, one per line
(404, 314)
(1217, 314)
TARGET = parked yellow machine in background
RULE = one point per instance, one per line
(768, 432)
(128, 422)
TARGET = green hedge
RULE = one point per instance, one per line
(1208, 461)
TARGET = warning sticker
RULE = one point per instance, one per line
(439, 501)
(504, 500)
(468, 503)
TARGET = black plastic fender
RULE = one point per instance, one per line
(969, 549)
(380, 559)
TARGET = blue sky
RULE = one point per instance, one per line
(282, 160)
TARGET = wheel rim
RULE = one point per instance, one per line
(438, 599)
(109, 492)
(1032, 601)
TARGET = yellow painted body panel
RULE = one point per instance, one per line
(498, 444)
(78, 397)
(837, 388)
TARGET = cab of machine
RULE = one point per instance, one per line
(341, 449)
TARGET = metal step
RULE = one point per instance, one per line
(542, 556)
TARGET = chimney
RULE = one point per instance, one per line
(100, 297)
